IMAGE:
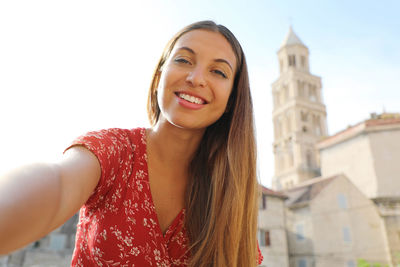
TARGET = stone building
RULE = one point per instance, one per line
(299, 116)
(369, 155)
(352, 212)
(271, 228)
(330, 223)
(53, 250)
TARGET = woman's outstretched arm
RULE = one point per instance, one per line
(38, 198)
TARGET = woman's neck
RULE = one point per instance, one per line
(173, 145)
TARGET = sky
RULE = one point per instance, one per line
(69, 67)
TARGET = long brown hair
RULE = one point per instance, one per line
(221, 198)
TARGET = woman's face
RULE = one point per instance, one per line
(196, 80)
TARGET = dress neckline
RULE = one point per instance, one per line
(175, 222)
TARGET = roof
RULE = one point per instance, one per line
(272, 193)
(291, 39)
(388, 200)
(304, 193)
(384, 121)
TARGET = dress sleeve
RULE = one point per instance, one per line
(110, 148)
(260, 256)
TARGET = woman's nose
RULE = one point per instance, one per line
(196, 77)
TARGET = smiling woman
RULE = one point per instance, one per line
(197, 80)
(181, 193)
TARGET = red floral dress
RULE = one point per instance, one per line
(118, 225)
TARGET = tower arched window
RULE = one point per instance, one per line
(292, 60)
(303, 116)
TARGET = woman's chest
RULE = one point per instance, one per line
(127, 231)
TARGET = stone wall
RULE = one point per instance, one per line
(53, 250)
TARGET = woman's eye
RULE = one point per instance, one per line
(221, 73)
(182, 60)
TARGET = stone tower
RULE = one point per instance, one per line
(299, 116)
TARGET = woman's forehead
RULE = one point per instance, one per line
(207, 43)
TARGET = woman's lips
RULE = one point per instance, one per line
(190, 101)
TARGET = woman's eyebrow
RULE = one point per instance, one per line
(223, 61)
(216, 60)
(187, 49)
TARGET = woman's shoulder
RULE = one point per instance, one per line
(110, 140)
(117, 133)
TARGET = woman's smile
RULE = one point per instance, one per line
(190, 101)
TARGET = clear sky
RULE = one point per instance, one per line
(68, 67)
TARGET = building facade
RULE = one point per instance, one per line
(272, 236)
(368, 153)
(330, 223)
(354, 214)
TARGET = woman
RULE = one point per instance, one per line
(183, 193)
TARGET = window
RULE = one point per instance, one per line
(263, 202)
(36, 244)
(342, 201)
(292, 60)
(302, 263)
(346, 234)
(267, 239)
(264, 238)
(300, 232)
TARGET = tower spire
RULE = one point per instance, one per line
(291, 39)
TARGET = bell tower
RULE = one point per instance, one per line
(299, 116)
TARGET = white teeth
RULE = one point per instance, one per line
(191, 98)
